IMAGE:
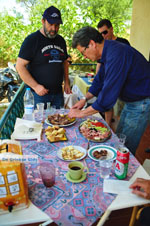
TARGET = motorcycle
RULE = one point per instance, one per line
(9, 82)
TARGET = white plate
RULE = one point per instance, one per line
(112, 152)
(79, 148)
(48, 123)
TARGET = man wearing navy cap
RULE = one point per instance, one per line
(42, 61)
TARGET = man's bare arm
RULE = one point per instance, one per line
(66, 78)
(25, 75)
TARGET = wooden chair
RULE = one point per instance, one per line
(136, 213)
(137, 209)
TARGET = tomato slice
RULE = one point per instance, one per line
(98, 124)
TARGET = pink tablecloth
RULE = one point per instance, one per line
(69, 203)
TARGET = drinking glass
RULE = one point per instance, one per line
(47, 171)
(105, 167)
(53, 108)
(62, 110)
(40, 110)
(48, 109)
(121, 137)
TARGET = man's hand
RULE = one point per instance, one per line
(141, 187)
(40, 90)
(67, 88)
(75, 113)
(79, 105)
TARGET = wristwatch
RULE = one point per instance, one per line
(84, 98)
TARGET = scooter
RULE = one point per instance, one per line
(9, 82)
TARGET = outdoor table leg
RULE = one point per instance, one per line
(46, 223)
(104, 218)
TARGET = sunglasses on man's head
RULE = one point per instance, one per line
(104, 32)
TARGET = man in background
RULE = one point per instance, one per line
(42, 62)
(106, 29)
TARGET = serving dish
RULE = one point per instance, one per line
(79, 148)
(61, 120)
(94, 130)
(111, 152)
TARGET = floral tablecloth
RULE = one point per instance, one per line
(70, 203)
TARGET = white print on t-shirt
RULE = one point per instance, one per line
(57, 47)
(47, 47)
(52, 47)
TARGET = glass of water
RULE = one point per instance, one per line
(53, 108)
(122, 138)
(40, 111)
(105, 167)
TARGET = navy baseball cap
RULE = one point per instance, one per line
(52, 15)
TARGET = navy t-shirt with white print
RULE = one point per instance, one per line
(46, 58)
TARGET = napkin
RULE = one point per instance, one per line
(117, 186)
(70, 99)
(129, 200)
(27, 130)
(122, 186)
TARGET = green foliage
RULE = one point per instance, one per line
(12, 33)
(75, 14)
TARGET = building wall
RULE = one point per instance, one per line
(140, 27)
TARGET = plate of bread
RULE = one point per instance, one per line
(55, 134)
(71, 153)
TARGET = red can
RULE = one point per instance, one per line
(122, 161)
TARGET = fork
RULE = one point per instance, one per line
(88, 145)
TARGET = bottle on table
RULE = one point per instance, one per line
(28, 105)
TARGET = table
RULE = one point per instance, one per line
(81, 87)
(30, 215)
(67, 203)
(121, 202)
(82, 83)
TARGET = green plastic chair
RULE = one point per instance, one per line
(14, 110)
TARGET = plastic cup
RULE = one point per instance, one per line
(47, 171)
(121, 137)
(62, 110)
(48, 109)
(105, 168)
(40, 110)
(53, 108)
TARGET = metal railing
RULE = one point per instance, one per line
(14, 110)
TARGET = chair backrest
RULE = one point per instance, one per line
(14, 110)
